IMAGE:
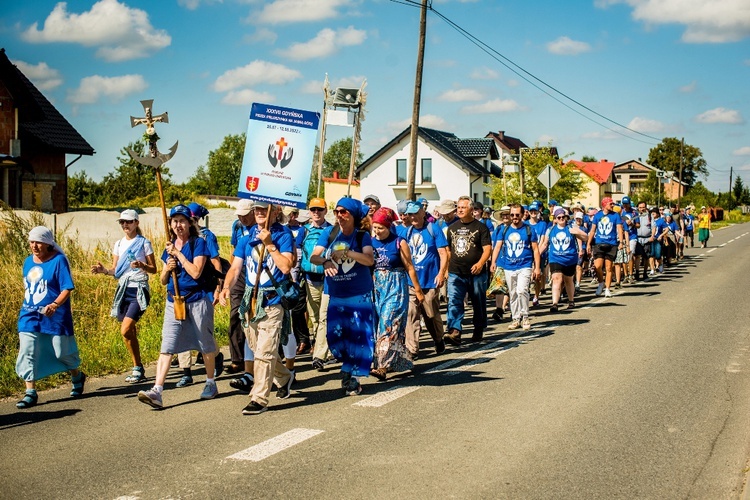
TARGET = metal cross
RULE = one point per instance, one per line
(154, 159)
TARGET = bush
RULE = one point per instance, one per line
(97, 334)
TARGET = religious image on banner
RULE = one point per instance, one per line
(278, 155)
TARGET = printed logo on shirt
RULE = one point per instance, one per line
(345, 265)
(418, 247)
(515, 245)
(605, 226)
(561, 241)
(35, 288)
(463, 243)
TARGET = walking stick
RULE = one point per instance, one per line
(155, 159)
(261, 257)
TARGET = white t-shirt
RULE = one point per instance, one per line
(121, 250)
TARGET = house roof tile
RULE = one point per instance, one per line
(600, 171)
(38, 117)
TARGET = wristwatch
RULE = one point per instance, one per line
(271, 248)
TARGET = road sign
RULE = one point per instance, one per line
(549, 176)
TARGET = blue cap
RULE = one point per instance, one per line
(626, 200)
(553, 202)
(413, 207)
(422, 201)
(534, 206)
(181, 210)
(525, 208)
(401, 207)
(197, 210)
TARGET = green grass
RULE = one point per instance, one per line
(98, 335)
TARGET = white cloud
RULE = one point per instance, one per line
(244, 97)
(493, 106)
(606, 135)
(316, 86)
(92, 88)
(295, 11)
(43, 77)
(484, 73)
(263, 35)
(121, 33)
(689, 88)
(194, 4)
(705, 22)
(257, 72)
(720, 115)
(545, 139)
(460, 95)
(645, 125)
(325, 43)
(743, 151)
(564, 46)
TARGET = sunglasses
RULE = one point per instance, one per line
(515, 215)
(317, 209)
(341, 211)
(123, 222)
(560, 217)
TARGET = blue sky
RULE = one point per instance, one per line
(665, 68)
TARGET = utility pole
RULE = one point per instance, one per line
(679, 186)
(731, 171)
(412, 173)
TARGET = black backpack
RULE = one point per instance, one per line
(209, 278)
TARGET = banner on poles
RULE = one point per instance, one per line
(278, 155)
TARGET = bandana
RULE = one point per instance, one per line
(384, 216)
(606, 201)
(355, 207)
(44, 235)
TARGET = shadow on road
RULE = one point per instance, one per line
(32, 416)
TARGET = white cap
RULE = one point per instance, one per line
(128, 215)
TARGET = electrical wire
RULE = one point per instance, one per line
(510, 65)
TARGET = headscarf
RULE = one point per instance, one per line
(384, 216)
(560, 211)
(606, 201)
(44, 235)
(355, 207)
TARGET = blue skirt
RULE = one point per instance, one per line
(392, 306)
(350, 333)
(41, 355)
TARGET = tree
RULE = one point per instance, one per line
(570, 185)
(221, 174)
(588, 159)
(130, 180)
(338, 157)
(738, 188)
(699, 196)
(83, 190)
(666, 156)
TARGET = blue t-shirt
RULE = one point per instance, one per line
(540, 228)
(673, 226)
(443, 225)
(388, 253)
(238, 231)
(562, 246)
(489, 224)
(352, 278)
(606, 227)
(248, 249)
(307, 239)
(424, 253)
(212, 244)
(688, 220)
(631, 229)
(189, 288)
(661, 225)
(517, 252)
(42, 284)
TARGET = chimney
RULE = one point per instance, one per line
(335, 174)
(501, 135)
(603, 160)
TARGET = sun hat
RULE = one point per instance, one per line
(244, 207)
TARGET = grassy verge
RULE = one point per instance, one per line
(731, 217)
(98, 335)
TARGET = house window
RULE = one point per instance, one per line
(426, 170)
(400, 171)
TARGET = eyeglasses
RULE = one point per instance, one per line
(515, 215)
(560, 217)
(123, 222)
(316, 209)
(341, 211)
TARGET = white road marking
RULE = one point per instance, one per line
(731, 240)
(274, 445)
(385, 397)
(709, 251)
(722, 245)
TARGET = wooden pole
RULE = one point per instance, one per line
(679, 186)
(261, 257)
(179, 301)
(412, 173)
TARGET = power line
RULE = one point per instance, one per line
(497, 56)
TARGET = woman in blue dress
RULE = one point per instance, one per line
(392, 263)
(345, 252)
(45, 323)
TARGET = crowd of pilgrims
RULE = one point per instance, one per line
(372, 279)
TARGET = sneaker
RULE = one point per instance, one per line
(618, 286)
(578, 287)
(137, 376)
(185, 381)
(651, 272)
(439, 347)
(607, 293)
(219, 365)
(599, 289)
(285, 391)
(210, 391)
(151, 397)
(253, 408)
(535, 302)
(526, 324)
(243, 383)
(319, 364)
(515, 324)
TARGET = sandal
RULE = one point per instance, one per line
(29, 399)
(379, 373)
(571, 305)
(77, 391)
(243, 383)
(136, 376)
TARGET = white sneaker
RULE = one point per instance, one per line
(599, 289)
(651, 272)
(526, 324)
(607, 293)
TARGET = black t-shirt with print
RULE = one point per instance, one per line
(466, 241)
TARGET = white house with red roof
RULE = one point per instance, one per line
(598, 177)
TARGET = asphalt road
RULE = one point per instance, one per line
(643, 395)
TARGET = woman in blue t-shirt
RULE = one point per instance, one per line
(564, 243)
(186, 254)
(45, 322)
(392, 263)
(346, 257)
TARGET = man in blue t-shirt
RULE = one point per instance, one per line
(521, 262)
(539, 226)
(629, 225)
(687, 220)
(606, 236)
(272, 245)
(430, 257)
(659, 226)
